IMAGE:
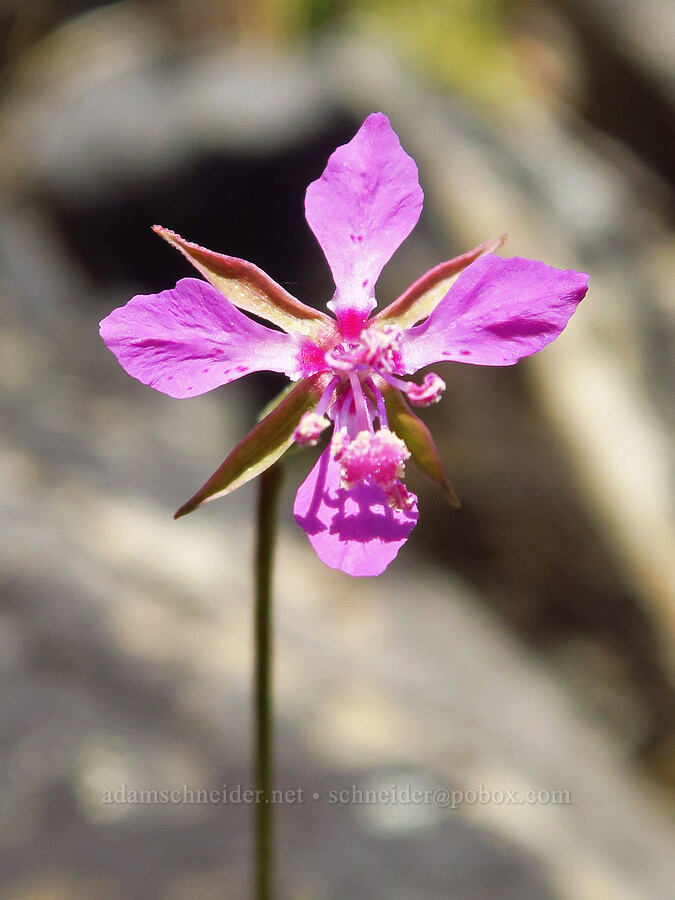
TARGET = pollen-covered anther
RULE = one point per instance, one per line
(309, 429)
(380, 347)
(339, 443)
(428, 392)
(399, 497)
(379, 457)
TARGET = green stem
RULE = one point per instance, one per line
(270, 485)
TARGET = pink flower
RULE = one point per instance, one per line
(350, 369)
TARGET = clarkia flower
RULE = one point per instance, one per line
(351, 367)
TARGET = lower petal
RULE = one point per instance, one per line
(353, 530)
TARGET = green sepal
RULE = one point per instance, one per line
(263, 445)
(251, 289)
(423, 296)
(275, 401)
(417, 437)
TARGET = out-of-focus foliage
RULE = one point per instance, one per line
(464, 44)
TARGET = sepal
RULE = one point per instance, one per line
(417, 437)
(263, 445)
(419, 300)
(251, 289)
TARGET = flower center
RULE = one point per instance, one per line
(353, 402)
(377, 350)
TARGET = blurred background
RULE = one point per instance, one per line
(525, 642)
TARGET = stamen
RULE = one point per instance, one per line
(309, 429)
(362, 416)
(344, 413)
(380, 457)
(419, 394)
(428, 392)
(339, 443)
(379, 347)
(339, 359)
(396, 382)
(327, 396)
(379, 400)
(399, 497)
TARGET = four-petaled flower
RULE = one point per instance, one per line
(350, 369)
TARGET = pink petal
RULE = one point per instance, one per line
(354, 530)
(497, 311)
(365, 204)
(191, 339)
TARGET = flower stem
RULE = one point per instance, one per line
(270, 485)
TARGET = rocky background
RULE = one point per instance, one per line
(523, 643)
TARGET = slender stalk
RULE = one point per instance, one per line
(270, 485)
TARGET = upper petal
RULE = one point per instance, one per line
(497, 311)
(361, 209)
(353, 530)
(191, 339)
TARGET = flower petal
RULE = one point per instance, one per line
(191, 339)
(497, 311)
(423, 296)
(365, 204)
(251, 289)
(263, 445)
(353, 530)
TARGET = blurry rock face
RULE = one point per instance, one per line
(133, 632)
